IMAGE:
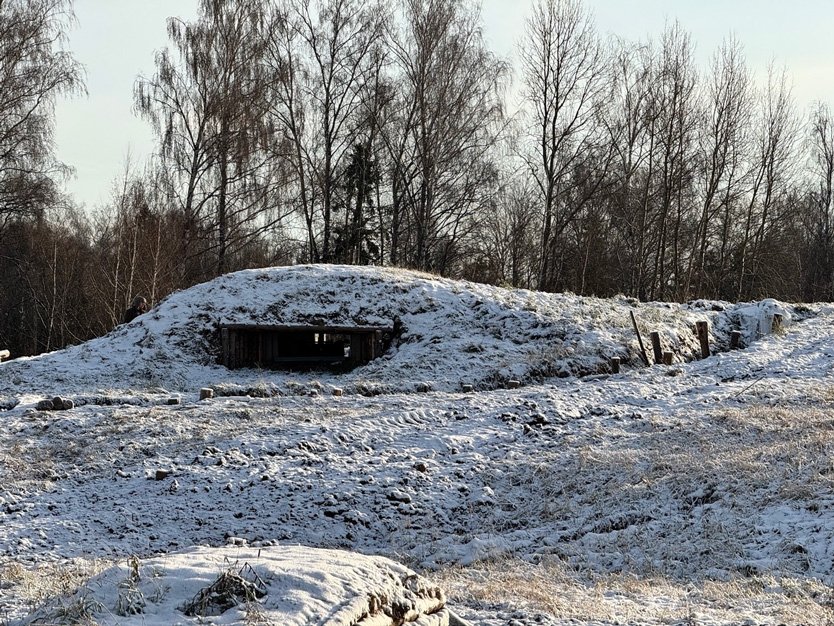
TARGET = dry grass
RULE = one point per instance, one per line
(552, 589)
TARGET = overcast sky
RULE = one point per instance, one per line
(116, 41)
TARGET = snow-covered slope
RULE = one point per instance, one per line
(707, 475)
(450, 333)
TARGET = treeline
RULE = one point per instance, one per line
(387, 132)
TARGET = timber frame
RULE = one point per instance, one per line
(299, 346)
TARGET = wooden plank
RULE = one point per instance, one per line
(310, 327)
(643, 354)
(224, 340)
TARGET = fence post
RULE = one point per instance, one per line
(658, 353)
(702, 329)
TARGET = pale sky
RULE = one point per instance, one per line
(116, 41)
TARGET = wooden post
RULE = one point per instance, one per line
(639, 339)
(224, 338)
(702, 329)
(658, 353)
(615, 365)
(735, 339)
(668, 357)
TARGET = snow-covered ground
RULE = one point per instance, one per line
(700, 492)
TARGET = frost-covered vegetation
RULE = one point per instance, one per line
(693, 493)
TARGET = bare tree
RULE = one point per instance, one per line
(819, 218)
(34, 71)
(773, 171)
(723, 146)
(449, 115)
(561, 63)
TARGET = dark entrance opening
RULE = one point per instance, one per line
(283, 347)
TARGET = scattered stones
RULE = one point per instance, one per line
(55, 404)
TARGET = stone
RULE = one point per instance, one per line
(467, 388)
(337, 392)
(67, 404)
(173, 401)
(162, 474)
(206, 393)
(44, 405)
(513, 384)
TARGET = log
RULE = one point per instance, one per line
(702, 330)
(658, 352)
(643, 354)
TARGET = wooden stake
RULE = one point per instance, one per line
(668, 358)
(639, 339)
(702, 329)
(735, 339)
(615, 365)
(658, 353)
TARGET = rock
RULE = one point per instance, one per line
(337, 392)
(538, 419)
(57, 403)
(173, 401)
(423, 387)
(67, 405)
(395, 495)
(513, 384)
(44, 405)
(467, 388)
(421, 467)
(206, 393)
(162, 474)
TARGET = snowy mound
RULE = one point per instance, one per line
(449, 334)
(286, 585)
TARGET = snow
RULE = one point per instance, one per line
(632, 496)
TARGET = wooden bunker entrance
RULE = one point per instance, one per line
(285, 347)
